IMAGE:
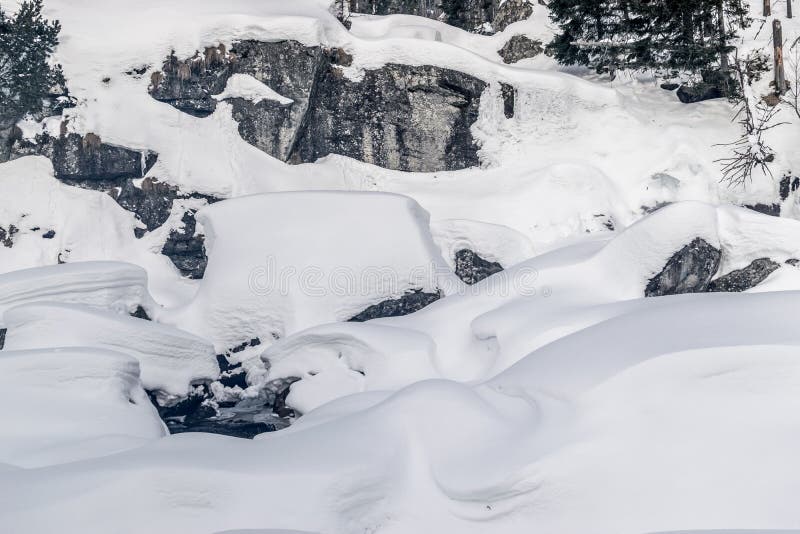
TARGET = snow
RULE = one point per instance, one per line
(120, 287)
(246, 87)
(63, 405)
(550, 397)
(279, 263)
(170, 359)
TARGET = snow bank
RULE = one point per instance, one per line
(86, 226)
(62, 405)
(337, 360)
(119, 287)
(247, 87)
(280, 263)
(170, 359)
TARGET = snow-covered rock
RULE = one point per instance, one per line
(170, 359)
(280, 263)
(119, 287)
(67, 404)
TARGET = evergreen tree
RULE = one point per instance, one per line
(26, 77)
(667, 36)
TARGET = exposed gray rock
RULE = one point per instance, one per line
(80, 158)
(689, 270)
(7, 235)
(509, 99)
(471, 268)
(744, 279)
(186, 248)
(151, 202)
(767, 209)
(509, 12)
(408, 303)
(411, 118)
(520, 47)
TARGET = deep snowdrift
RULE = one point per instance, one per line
(549, 397)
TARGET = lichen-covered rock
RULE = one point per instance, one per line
(689, 270)
(411, 118)
(471, 268)
(520, 47)
(408, 303)
(186, 248)
(509, 12)
(744, 279)
(77, 158)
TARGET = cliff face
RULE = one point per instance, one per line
(410, 118)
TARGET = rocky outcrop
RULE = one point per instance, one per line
(79, 158)
(509, 12)
(7, 235)
(471, 268)
(410, 118)
(520, 47)
(186, 248)
(151, 202)
(408, 303)
(689, 270)
(744, 279)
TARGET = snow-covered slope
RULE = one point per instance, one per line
(553, 396)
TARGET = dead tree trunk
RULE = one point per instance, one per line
(767, 8)
(777, 41)
(788, 9)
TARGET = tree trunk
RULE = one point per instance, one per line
(723, 41)
(767, 8)
(780, 75)
(788, 9)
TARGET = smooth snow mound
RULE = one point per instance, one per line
(62, 405)
(170, 359)
(120, 287)
(280, 263)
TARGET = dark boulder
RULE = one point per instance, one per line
(669, 86)
(509, 12)
(698, 92)
(7, 235)
(77, 158)
(520, 47)
(744, 279)
(509, 95)
(471, 268)
(773, 210)
(689, 270)
(407, 304)
(186, 248)
(151, 202)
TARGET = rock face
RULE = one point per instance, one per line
(690, 270)
(7, 235)
(408, 303)
(77, 158)
(520, 47)
(471, 268)
(410, 118)
(744, 279)
(509, 12)
(186, 248)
